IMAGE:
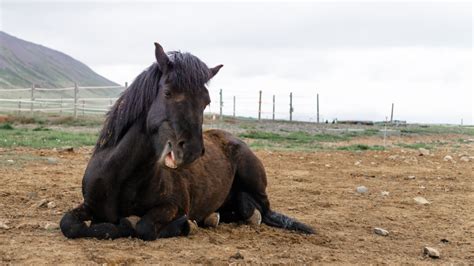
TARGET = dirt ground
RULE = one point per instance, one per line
(318, 188)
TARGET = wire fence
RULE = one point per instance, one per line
(289, 107)
(81, 100)
(69, 101)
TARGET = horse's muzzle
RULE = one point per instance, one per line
(179, 155)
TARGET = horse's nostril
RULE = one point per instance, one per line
(181, 144)
(203, 151)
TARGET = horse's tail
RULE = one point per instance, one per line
(276, 219)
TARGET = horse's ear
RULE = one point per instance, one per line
(214, 70)
(161, 57)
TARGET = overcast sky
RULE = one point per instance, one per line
(360, 57)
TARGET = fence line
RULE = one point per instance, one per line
(62, 103)
(260, 106)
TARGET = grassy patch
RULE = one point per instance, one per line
(416, 146)
(89, 121)
(44, 138)
(361, 147)
(6, 126)
(438, 129)
(296, 137)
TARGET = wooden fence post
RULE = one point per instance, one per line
(19, 106)
(291, 106)
(273, 114)
(61, 106)
(234, 108)
(391, 115)
(32, 98)
(75, 99)
(221, 103)
(259, 105)
(317, 108)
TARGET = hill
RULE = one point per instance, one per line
(24, 63)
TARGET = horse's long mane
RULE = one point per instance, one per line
(189, 73)
(132, 103)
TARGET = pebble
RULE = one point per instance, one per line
(237, 256)
(42, 203)
(393, 157)
(362, 189)
(66, 149)
(421, 200)
(3, 225)
(52, 160)
(51, 226)
(10, 161)
(384, 193)
(51, 205)
(380, 231)
(431, 252)
(423, 152)
(448, 158)
(465, 159)
(410, 177)
(357, 163)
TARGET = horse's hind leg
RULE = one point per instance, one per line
(73, 226)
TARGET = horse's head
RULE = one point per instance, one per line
(179, 106)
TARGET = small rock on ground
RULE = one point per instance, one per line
(66, 149)
(42, 203)
(431, 252)
(10, 161)
(51, 226)
(237, 256)
(52, 160)
(421, 200)
(465, 159)
(423, 152)
(448, 158)
(362, 189)
(380, 231)
(3, 225)
(51, 205)
(385, 193)
(410, 177)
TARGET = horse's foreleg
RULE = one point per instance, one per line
(73, 226)
(161, 222)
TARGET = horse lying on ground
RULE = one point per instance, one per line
(153, 161)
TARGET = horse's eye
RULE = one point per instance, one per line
(167, 93)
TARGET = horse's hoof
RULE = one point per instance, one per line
(193, 227)
(256, 218)
(133, 221)
(212, 220)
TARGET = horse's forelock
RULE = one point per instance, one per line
(189, 72)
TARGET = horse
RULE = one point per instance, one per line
(153, 161)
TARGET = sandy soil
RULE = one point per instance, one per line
(315, 187)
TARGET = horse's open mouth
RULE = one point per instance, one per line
(168, 157)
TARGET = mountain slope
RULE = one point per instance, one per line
(24, 63)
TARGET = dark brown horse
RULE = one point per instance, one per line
(153, 161)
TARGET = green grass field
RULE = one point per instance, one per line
(36, 132)
(41, 137)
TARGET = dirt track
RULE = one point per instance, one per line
(317, 188)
